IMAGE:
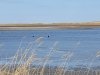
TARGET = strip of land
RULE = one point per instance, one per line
(49, 26)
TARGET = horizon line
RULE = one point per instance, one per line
(46, 26)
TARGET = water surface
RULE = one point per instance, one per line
(83, 43)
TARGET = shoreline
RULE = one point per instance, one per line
(47, 26)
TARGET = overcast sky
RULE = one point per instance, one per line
(48, 11)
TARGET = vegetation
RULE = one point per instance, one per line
(22, 62)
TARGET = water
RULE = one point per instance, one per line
(83, 43)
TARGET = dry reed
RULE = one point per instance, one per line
(22, 62)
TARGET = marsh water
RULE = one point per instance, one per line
(84, 44)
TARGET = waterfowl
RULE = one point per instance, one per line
(48, 36)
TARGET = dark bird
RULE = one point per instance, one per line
(48, 36)
(33, 36)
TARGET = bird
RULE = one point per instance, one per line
(33, 36)
(48, 36)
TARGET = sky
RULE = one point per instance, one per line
(49, 11)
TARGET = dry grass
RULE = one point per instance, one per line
(22, 63)
(49, 26)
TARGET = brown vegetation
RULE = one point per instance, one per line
(48, 26)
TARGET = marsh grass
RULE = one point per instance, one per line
(22, 62)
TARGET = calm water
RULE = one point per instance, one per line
(83, 43)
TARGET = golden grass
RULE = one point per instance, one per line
(22, 64)
(44, 26)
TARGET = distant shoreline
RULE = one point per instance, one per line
(41, 26)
